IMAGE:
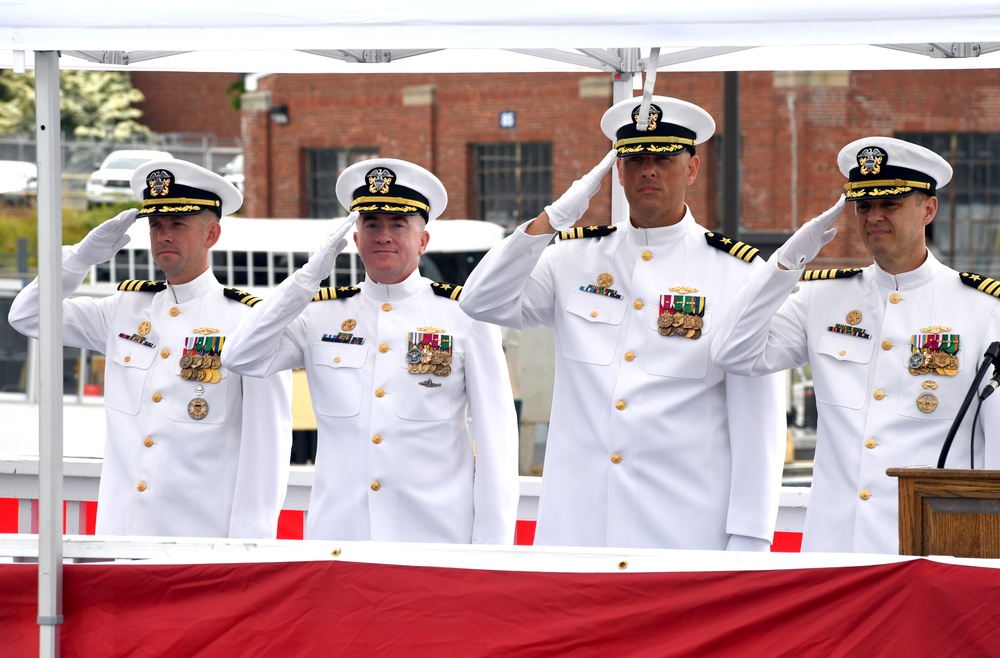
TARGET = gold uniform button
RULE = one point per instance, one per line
(637, 304)
(377, 439)
(629, 356)
(157, 397)
(141, 486)
(865, 494)
(620, 405)
(887, 344)
(616, 458)
(894, 298)
(387, 306)
(870, 443)
(127, 359)
(379, 392)
(843, 353)
(148, 442)
(376, 485)
(164, 353)
(174, 312)
(383, 348)
(593, 314)
(336, 359)
(647, 255)
(879, 394)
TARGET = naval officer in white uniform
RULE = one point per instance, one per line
(395, 368)
(893, 347)
(650, 445)
(191, 449)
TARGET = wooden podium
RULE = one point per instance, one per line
(948, 511)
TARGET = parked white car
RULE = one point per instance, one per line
(233, 172)
(18, 182)
(110, 183)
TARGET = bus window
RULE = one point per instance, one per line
(454, 267)
(13, 354)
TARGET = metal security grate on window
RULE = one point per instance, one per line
(324, 167)
(964, 234)
(513, 181)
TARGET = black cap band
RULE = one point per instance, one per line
(164, 196)
(381, 194)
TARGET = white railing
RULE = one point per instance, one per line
(81, 476)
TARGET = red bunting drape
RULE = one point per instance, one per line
(910, 608)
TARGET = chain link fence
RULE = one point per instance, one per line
(81, 157)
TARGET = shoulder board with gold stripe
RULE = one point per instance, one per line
(736, 248)
(449, 290)
(981, 283)
(137, 285)
(821, 275)
(242, 297)
(587, 232)
(338, 292)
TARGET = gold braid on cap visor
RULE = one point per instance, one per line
(898, 182)
(621, 144)
(388, 199)
(211, 203)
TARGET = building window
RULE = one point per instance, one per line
(513, 181)
(324, 168)
(964, 232)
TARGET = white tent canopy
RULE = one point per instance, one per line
(254, 35)
(296, 25)
(518, 35)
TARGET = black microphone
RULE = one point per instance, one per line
(992, 385)
(990, 358)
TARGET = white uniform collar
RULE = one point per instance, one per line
(661, 234)
(909, 280)
(393, 291)
(203, 283)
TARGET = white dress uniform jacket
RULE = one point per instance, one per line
(650, 445)
(394, 460)
(164, 472)
(873, 413)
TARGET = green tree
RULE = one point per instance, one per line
(91, 104)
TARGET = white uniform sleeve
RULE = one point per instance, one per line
(85, 320)
(757, 430)
(265, 453)
(496, 488)
(510, 287)
(271, 338)
(763, 332)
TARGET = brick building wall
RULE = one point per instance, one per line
(793, 124)
(189, 103)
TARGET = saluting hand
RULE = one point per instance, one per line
(102, 242)
(320, 264)
(806, 242)
(569, 208)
